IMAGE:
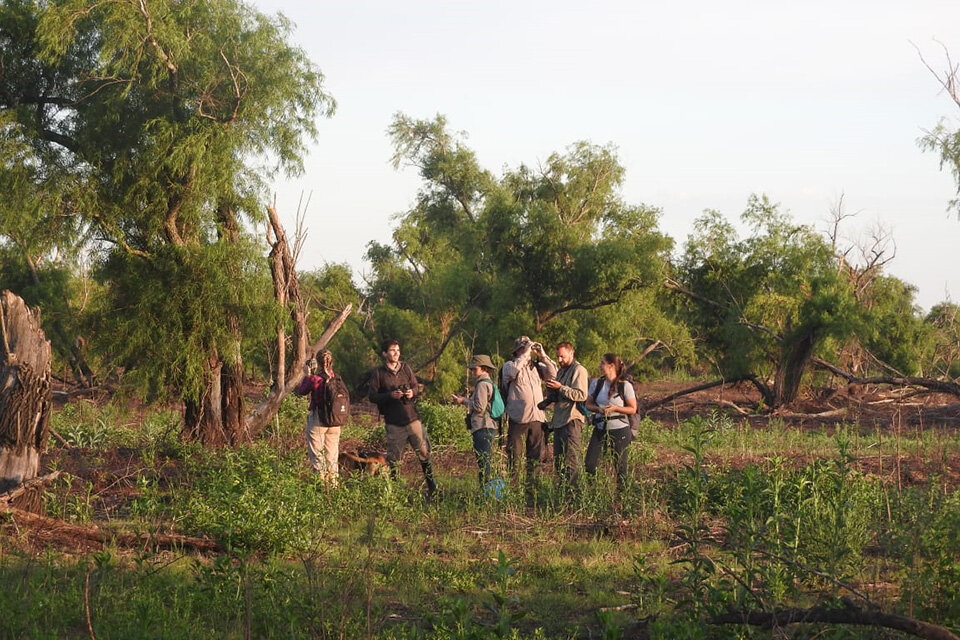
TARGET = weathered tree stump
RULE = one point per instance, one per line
(24, 392)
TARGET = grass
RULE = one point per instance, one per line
(720, 513)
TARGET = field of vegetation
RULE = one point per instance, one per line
(797, 473)
(724, 519)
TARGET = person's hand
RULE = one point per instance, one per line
(408, 394)
(538, 348)
(610, 411)
(306, 369)
(396, 394)
(458, 399)
(553, 384)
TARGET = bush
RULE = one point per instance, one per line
(445, 424)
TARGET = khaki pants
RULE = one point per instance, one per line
(398, 435)
(323, 447)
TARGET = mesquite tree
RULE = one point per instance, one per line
(763, 304)
(553, 252)
(172, 114)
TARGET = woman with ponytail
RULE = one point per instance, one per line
(612, 399)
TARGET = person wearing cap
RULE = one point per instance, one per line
(522, 380)
(483, 428)
(570, 385)
(323, 442)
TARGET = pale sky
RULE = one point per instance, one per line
(707, 103)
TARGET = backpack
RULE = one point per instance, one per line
(497, 406)
(633, 420)
(334, 406)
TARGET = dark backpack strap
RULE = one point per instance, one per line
(596, 390)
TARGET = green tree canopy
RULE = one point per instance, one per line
(761, 305)
(172, 115)
(480, 259)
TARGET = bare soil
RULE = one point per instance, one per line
(111, 475)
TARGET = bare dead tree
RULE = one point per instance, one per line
(948, 79)
(24, 392)
(286, 287)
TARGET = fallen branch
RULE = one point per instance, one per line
(848, 615)
(647, 405)
(940, 386)
(13, 494)
(833, 413)
(59, 438)
(93, 533)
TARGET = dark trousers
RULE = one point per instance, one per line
(566, 452)
(518, 434)
(615, 442)
(482, 444)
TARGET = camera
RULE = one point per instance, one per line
(552, 396)
(311, 365)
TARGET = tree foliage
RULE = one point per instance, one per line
(761, 305)
(480, 259)
(170, 115)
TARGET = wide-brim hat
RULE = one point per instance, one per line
(521, 343)
(481, 361)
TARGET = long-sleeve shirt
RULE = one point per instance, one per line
(397, 411)
(523, 380)
(573, 381)
(479, 406)
(312, 384)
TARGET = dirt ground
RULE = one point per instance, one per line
(111, 475)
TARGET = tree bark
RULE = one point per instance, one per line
(24, 392)
(795, 353)
(286, 289)
(203, 417)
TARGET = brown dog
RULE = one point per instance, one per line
(369, 462)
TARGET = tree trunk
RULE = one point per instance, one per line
(203, 417)
(24, 392)
(795, 352)
(286, 290)
(232, 403)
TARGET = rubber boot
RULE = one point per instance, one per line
(428, 476)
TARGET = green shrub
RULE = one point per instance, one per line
(445, 424)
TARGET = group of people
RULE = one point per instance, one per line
(393, 387)
(607, 403)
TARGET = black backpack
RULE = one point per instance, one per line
(334, 407)
(633, 420)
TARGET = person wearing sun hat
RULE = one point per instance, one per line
(483, 428)
(522, 381)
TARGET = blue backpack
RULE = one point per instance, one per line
(497, 406)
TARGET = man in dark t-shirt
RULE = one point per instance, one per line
(394, 389)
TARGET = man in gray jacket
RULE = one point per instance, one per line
(522, 378)
(570, 386)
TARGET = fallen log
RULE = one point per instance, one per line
(648, 404)
(94, 534)
(939, 386)
(27, 495)
(846, 615)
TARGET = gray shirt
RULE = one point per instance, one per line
(523, 380)
(479, 406)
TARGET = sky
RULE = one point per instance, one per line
(707, 103)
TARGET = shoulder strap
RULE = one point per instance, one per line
(596, 390)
